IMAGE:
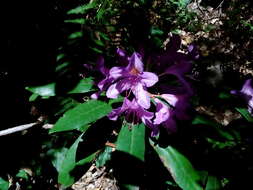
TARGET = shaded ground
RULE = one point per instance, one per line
(96, 179)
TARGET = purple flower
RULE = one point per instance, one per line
(180, 104)
(105, 83)
(165, 113)
(162, 112)
(105, 71)
(133, 112)
(170, 98)
(172, 108)
(182, 107)
(121, 52)
(130, 77)
(179, 70)
(193, 52)
(247, 94)
(173, 62)
(133, 78)
(172, 56)
(122, 58)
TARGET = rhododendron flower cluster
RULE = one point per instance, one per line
(133, 83)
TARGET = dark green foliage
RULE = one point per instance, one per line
(82, 115)
(4, 185)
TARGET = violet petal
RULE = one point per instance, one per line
(149, 79)
(116, 72)
(162, 112)
(142, 96)
(170, 98)
(135, 63)
(112, 91)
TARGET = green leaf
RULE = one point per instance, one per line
(220, 145)
(96, 50)
(75, 35)
(4, 185)
(100, 43)
(157, 41)
(180, 167)
(104, 36)
(100, 14)
(102, 10)
(45, 90)
(22, 174)
(176, 31)
(33, 97)
(130, 187)
(87, 160)
(225, 95)
(85, 85)
(82, 9)
(213, 183)
(60, 56)
(117, 100)
(181, 3)
(205, 121)
(82, 115)
(244, 112)
(76, 21)
(62, 66)
(83, 128)
(216, 126)
(68, 164)
(58, 155)
(104, 157)
(132, 141)
(65, 104)
(143, 1)
(171, 183)
(45, 97)
(156, 31)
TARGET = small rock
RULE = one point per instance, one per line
(90, 187)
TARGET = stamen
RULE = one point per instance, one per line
(154, 95)
(134, 71)
(128, 92)
(162, 74)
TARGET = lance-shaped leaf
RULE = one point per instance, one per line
(132, 141)
(245, 113)
(82, 9)
(68, 164)
(76, 21)
(213, 183)
(180, 167)
(33, 97)
(82, 115)
(130, 187)
(87, 160)
(104, 157)
(58, 156)
(22, 174)
(201, 120)
(45, 90)
(84, 85)
(4, 185)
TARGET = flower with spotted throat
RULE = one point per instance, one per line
(133, 78)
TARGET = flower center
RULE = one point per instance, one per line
(134, 71)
